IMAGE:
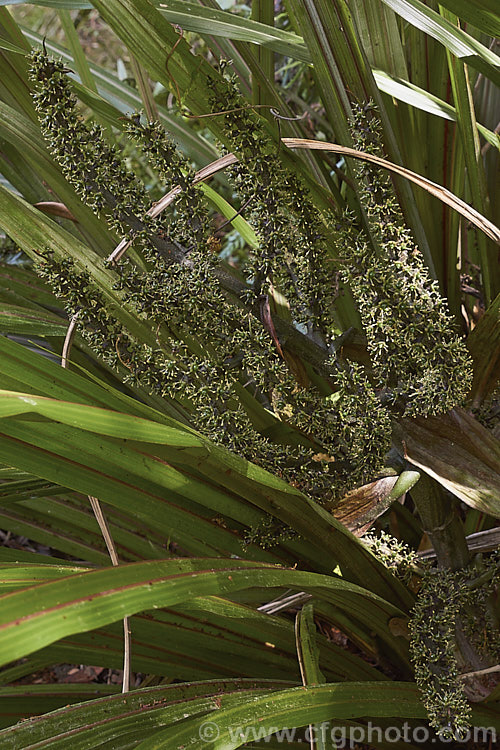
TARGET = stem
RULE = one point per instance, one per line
(263, 11)
(102, 522)
(442, 523)
(489, 670)
(484, 578)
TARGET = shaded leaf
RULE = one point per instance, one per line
(484, 346)
(307, 648)
(16, 319)
(294, 707)
(218, 22)
(22, 701)
(15, 576)
(459, 453)
(206, 637)
(140, 711)
(9, 47)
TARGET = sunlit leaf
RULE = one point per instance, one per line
(457, 41)
(86, 601)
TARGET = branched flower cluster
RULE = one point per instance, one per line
(395, 555)
(351, 425)
(191, 221)
(488, 411)
(432, 647)
(291, 236)
(88, 161)
(268, 533)
(205, 381)
(215, 345)
(481, 622)
(211, 346)
(445, 601)
(102, 331)
(353, 430)
(416, 355)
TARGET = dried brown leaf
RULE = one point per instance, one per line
(52, 208)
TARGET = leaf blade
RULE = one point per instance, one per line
(89, 600)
